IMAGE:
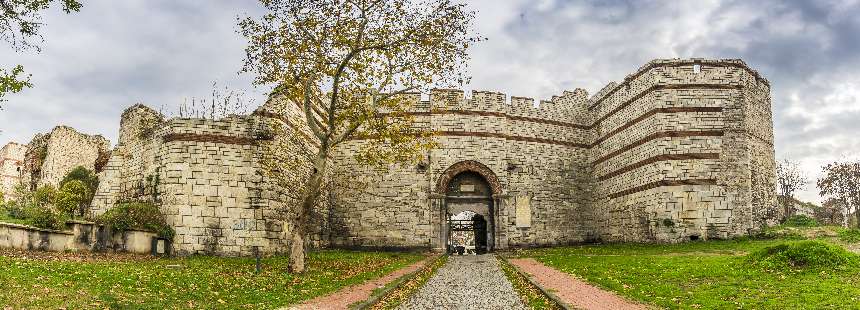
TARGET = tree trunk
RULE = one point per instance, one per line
(297, 250)
(300, 222)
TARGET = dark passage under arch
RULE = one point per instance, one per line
(469, 213)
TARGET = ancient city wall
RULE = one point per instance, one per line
(678, 150)
(11, 168)
(533, 152)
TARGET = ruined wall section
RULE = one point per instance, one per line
(667, 167)
(68, 149)
(213, 193)
(11, 168)
(51, 156)
(205, 176)
(129, 171)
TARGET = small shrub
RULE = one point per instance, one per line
(812, 254)
(780, 232)
(801, 221)
(72, 197)
(15, 210)
(45, 218)
(44, 195)
(138, 216)
(86, 177)
(850, 235)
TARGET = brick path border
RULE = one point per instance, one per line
(569, 291)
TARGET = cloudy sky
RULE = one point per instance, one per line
(114, 53)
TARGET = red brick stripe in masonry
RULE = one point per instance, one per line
(648, 91)
(665, 157)
(652, 113)
(665, 134)
(661, 184)
(509, 137)
(686, 63)
(579, 126)
(191, 137)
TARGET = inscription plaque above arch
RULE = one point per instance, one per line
(468, 165)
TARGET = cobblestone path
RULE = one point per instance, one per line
(467, 282)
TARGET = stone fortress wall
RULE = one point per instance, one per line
(684, 150)
(11, 168)
(203, 173)
(679, 150)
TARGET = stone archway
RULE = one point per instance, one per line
(468, 165)
(467, 186)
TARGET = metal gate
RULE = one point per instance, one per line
(477, 225)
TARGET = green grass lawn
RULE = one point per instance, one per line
(130, 282)
(705, 275)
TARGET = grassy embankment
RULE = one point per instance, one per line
(783, 273)
(42, 280)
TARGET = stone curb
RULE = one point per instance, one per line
(543, 290)
(34, 228)
(374, 298)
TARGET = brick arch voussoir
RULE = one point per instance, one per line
(468, 165)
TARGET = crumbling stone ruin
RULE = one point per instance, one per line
(49, 157)
(11, 168)
(678, 150)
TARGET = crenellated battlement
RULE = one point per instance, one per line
(692, 71)
(570, 106)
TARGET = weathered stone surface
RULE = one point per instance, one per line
(49, 157)
(11, 168)
(666, 155)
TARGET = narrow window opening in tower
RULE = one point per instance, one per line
(697, 68)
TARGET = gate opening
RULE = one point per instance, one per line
(468, 231)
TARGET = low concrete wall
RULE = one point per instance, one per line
(30, 238)
(81, 236)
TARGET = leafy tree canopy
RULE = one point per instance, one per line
(350, 65)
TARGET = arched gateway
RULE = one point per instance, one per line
(466, 200)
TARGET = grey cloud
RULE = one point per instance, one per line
(116, 53)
